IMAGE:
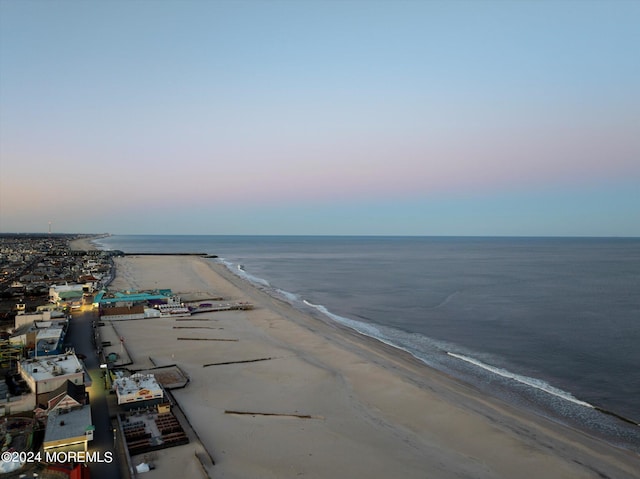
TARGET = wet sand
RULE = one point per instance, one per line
(368, 410)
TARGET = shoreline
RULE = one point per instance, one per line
(466, 367)
(387, 399)
(84, 244)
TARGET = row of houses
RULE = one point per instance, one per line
(29, 264)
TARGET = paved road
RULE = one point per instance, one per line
(80, 335)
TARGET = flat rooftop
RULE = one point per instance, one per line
(68, 424)
(40, 326)
(137, 387)
(136, 382)
(132, 296)
(48, 367)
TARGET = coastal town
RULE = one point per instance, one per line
(69, 405)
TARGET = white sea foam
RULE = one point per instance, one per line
(292, 298)
(533, 382)
(361, 327)
(240, 271)
(101, 245)
(418, 345)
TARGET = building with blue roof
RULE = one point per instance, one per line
(126, 297)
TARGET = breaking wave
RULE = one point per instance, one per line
(240, 271)
(439, 355)
(420, 346)
(359, 326)
(533, 382)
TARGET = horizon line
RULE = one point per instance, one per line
(328, 235)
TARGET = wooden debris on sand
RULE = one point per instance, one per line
(237, 362)
(278, 414)
(205, 339)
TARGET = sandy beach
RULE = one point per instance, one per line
(328, 402)
(82, 244)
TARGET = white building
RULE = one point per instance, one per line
(56, 290)
(48, 373)
(137, 388)
(22, 319)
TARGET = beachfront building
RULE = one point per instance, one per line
(138, 390)
(104, 299)
(123, 312)
(39, 317)
(67, 414)
(44, 338)
(68, 427)
(46, 374)
(23, 319)
(122, 305)
(65, 292)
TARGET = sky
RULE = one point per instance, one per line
(320, 117)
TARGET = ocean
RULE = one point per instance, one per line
(548, 324)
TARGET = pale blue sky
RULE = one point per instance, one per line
(363, 117)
